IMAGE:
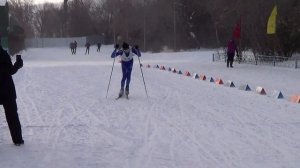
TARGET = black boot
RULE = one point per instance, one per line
(19, 143)
(121, 92)
(127, 92)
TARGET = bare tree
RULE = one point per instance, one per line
(47, 20)
(177, 24)
(64, 18)
(80, 22)
(21, 14)
(23, 11)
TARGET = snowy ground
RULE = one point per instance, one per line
(185, 123)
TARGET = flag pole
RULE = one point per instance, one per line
(240, 41)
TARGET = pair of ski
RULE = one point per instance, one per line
(120, 96)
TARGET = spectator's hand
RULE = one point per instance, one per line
(19, 64)
(136, 47)
(117, 46)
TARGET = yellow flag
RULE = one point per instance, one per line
(272, 21)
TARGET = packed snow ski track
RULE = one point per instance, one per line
(185, 123)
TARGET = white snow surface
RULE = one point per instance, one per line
(185, 123)
(2, 2)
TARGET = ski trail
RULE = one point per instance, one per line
(180, 121)
(31, 108)
(185, 123)
(252, 137)
(175, 129)
(149, 137)
(54, 125)
(62, 127)
(171, 150)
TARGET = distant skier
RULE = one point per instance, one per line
(72, 47)
(126, 54)
(231, 49)
(75, 46)
(8, 95)
(98, 47)
(87, 45)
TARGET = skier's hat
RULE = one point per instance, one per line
(125, 46)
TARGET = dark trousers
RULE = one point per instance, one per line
(230, 57)
(126, 71)
(98, 49)
(12, 118)
(87, 51)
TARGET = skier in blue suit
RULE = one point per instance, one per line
(126, 54)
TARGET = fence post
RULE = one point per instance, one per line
(274, 60)
(213, 58)
(296, 63)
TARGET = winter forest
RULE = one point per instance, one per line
(171, 24)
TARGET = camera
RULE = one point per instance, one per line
(19, 58)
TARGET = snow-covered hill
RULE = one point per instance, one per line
(185, 123)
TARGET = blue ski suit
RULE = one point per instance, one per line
(127, 63)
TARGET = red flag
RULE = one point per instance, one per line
(237, 30)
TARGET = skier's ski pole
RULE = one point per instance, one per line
(143, 77)
(112, 69)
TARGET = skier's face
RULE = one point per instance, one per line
(127, 51)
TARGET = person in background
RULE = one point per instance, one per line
(231, 49)
(87, 45)
(98, 47)
(75, 47)
(126, 54)
(72, 47)
(8, 94)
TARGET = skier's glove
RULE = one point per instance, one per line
(117, 46)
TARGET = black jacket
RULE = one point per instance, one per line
(7, 69)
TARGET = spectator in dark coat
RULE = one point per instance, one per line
(87, 45)
(72, 48)
(98, 47)
(75, 47)
(8, 95)
(231, 49)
